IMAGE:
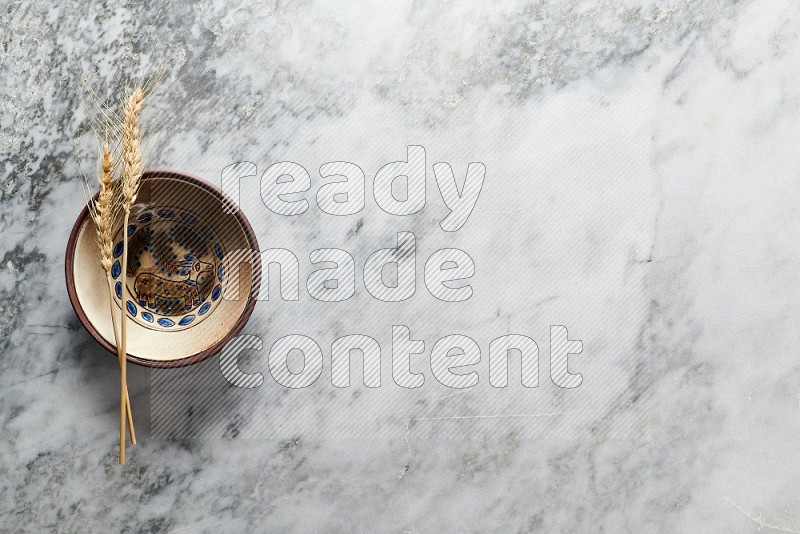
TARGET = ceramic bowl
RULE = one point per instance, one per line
(182, 236)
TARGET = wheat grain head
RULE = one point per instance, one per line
(132, 160)
(105, 208)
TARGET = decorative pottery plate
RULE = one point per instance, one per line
(181, 241)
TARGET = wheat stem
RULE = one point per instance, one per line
(111, 306)
(118, 348)
(124, 304)
(125, 403)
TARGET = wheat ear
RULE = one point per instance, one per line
(131, 180)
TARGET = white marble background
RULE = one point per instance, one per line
(642, 189)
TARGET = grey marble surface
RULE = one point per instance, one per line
(641, 188)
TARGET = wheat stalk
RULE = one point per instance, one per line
(113, 206)
(105, 212)
(133, 166)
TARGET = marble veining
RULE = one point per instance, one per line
(641, 189)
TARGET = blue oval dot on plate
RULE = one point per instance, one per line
(167, 214)
(166, 323)
(218, 251)
(221, 272)
(216, 292)
(204, 308)
(188, 218)
(115, 270)
(206, 232)
(147, 316)
(118, 249)
(186, 320)
(131, 308)
(131, 229)
(118, 289)
(144, 217)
